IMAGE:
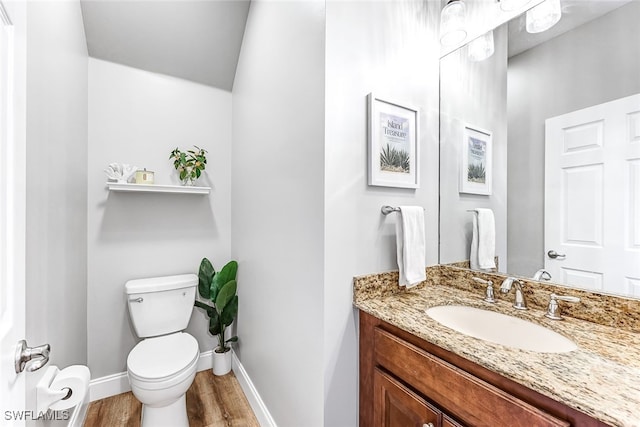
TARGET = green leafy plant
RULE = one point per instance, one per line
(220, 288)
(189, 164)
(476, 173)
(392, 159)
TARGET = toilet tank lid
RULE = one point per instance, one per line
(154, 284)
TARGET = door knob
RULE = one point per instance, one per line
(553, 254)
(38, 356)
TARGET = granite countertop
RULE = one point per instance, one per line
(601, 378)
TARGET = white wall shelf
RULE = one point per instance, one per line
(154, 188)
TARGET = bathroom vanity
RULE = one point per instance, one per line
(416, 372)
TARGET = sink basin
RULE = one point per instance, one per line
(501, 329)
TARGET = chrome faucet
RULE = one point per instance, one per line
(488, 295)
(542, 274)
(520, 302)
(553, 311)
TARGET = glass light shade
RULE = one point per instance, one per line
(543, 16)
(452, 23)
(508, 5)
(481, 48)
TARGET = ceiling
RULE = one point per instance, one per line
(197, 40)
(200, 40)
(574, 14)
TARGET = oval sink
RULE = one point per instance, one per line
(501, 329)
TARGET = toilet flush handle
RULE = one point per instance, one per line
(139, 299)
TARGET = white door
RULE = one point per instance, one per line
(592, 197)
(12, 210)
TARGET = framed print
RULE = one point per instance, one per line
(393, 144)
(476, 165)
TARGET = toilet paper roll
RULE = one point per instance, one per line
(75, 378)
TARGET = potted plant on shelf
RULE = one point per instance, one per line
(189, 164)
(219, 288)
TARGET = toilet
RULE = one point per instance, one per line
(162, 366)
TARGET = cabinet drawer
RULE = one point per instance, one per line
(471, 400)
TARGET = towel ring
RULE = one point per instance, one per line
(386, 209)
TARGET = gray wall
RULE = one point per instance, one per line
(595, 63)
(56, 187)
(278, 206)
(472, 93)
(138, 117)
(389, 48)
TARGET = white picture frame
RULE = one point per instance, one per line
(393, 149)
(476, 165)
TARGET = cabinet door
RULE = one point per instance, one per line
(397, 406)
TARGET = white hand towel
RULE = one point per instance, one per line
(410, 242)
(483, 240)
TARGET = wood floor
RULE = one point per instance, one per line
(212, 401)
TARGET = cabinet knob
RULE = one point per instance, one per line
(428, 425)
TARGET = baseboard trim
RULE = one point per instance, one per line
(255, 401)
(206, 361)
(108, 386)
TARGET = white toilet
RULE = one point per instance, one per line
(162, 366)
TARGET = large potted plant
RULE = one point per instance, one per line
(219, 288)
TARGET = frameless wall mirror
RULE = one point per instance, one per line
(560, 112)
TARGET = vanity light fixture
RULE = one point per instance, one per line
(481, 48)
(543, 16)
(453, 23)
(508, 5)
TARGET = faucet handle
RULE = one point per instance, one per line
(488, 296)
(553, 311)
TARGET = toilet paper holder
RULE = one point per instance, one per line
(45, 397)
(55, 391)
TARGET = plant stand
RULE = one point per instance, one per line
(221, 363)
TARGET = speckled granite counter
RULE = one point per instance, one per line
(601, 378)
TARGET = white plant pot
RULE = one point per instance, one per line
(221, 363)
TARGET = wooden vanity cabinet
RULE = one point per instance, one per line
(408, 382)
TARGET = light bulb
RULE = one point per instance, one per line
(452, 23)
(543, 16)
(481, 48)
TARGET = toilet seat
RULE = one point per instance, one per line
(165, 359)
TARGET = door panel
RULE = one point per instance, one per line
(12, 208)
(592, 196)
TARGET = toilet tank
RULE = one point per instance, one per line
(161, 305)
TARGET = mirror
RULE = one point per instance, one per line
(591, 57)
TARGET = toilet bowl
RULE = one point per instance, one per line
(162, 366)
(161, 370)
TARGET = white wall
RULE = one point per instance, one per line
(278, 208)
(56, 187)
(389, 48)
(595, 63)
(472, 93)
(138, 117)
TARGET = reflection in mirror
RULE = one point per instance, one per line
(590, 59)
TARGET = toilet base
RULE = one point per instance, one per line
(172, 415)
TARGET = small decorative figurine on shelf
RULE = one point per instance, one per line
(120, 172)
(189, 164)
